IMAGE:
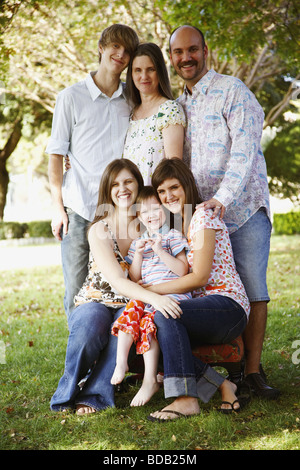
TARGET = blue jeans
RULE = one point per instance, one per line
(91, 347)
(75, 257)
(213, 319)
(251, 247)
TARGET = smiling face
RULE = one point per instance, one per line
(188, 56)
(124, 189)
(172, 195)
(144, 75)
(114, 57)
(151, 214)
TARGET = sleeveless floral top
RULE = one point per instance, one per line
(144, 144)
(96, 288)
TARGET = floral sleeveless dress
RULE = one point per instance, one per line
(144, 144)
(96, 288)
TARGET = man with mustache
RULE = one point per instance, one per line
(222, 148)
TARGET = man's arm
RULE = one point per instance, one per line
(244, 117)
(60, 218)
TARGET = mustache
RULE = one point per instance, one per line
(189, 62)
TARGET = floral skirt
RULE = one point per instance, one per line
(137, 320)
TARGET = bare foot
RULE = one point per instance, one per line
(84, 410)
(185, 405)
(119, 373)
(228, 390)
(144, 394)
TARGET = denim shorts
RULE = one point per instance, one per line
(251, 247)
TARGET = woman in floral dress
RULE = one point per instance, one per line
(157, 122)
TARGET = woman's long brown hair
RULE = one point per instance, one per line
(170, 168)
(109, 175)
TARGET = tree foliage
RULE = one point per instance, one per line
(255, 40)
(283, 162)
(52, 44)
(48, 45)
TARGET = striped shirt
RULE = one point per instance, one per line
(154, 271)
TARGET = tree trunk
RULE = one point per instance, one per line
(5, 153)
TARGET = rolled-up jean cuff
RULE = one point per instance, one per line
(180, 386)
(204, 388)
(208, 384)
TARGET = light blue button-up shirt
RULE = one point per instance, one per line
(222, 146)
(90, 128)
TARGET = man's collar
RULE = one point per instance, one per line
(95, 91)
(202, 85)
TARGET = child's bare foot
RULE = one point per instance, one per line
(119, 373)
(147, 390)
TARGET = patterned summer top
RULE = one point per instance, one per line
(144, 143)
(224, 279)
(222, 146)
(96, 288)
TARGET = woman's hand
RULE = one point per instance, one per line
(168, 306)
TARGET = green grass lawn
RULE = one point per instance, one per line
(33, 337)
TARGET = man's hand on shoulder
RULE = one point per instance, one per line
(219, 209)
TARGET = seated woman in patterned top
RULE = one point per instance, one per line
(219, 309)
(91, 349)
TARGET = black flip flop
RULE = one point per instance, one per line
(228, 411)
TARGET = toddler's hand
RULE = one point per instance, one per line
(156, 244)
(140, 245)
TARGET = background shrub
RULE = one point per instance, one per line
(287, 224)
(39, 229)
(12, 230)
(36, 229)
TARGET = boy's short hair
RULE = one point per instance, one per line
(121, 34)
